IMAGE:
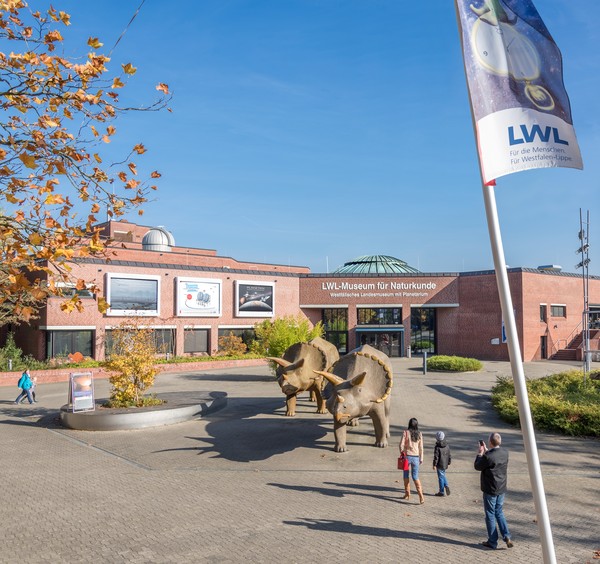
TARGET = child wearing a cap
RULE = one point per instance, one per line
(441, 461)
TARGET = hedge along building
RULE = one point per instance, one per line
(192, 296)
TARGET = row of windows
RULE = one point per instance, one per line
(379, 316)
(388, 340)
(61, 343)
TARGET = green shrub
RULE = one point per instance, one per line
(274, 337)
(421, 344)
(144, 401)
(206, 358)
(453, 364)
(231, 345)
(10, 351)
(561, 402)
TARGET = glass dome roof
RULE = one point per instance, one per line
(376, 264)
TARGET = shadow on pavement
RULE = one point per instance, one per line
(336, 526)
(343, 491)
(238, 434)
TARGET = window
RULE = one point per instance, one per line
(63, 343)
(246, 334)
(164, 340)
(543, 313)
(335, 323)
(558, 310)
(195, 341)
(379, 316)
(335, 319)
(422, 329)
(68, 290)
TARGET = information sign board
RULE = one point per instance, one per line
(81, 391)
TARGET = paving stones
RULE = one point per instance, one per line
(248, 484)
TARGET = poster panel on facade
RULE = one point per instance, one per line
(133, 294)
(254, 299)
(198, 297)
(81, 391)
(514, 73)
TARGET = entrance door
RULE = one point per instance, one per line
(388, 342)
(543, 347)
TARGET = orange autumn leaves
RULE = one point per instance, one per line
(57, 117)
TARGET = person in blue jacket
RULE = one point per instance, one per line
(25, 383)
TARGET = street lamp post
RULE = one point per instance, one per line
(584, 250)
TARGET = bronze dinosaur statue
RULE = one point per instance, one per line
(360, 384)
(296, 371)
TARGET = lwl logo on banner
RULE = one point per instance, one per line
(514, 72)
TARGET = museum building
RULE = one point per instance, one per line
(191, 297)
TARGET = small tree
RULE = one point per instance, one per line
(274, 337)
(132, 358)
(10, 351)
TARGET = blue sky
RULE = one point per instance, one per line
(309, 132)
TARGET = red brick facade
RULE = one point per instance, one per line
(467, 305)
(166, 265)
(468, 320)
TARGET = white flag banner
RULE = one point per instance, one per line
(514, 73)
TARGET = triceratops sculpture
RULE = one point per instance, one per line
(296, 371)
(360, 384)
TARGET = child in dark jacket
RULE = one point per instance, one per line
(441, 461)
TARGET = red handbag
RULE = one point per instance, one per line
(402, 462)
(403, 459)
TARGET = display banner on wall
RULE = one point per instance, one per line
(198, 297)
(133, 294)
(254, 299)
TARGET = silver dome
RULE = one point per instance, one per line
(158, 239)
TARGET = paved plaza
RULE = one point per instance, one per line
(247, 484)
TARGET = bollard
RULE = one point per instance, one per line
(408, 352)
(424, 362)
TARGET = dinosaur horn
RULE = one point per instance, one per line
(358, 380)
(335, 380)
(283, 363)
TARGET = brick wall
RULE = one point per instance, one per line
(62, 375)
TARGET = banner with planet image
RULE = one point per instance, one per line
(254, 299)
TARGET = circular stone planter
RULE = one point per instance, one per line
(179, 407)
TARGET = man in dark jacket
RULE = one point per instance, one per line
(493, 465)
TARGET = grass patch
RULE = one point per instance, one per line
(444, 363)
(561, 403)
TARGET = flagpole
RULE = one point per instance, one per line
(516, 363)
